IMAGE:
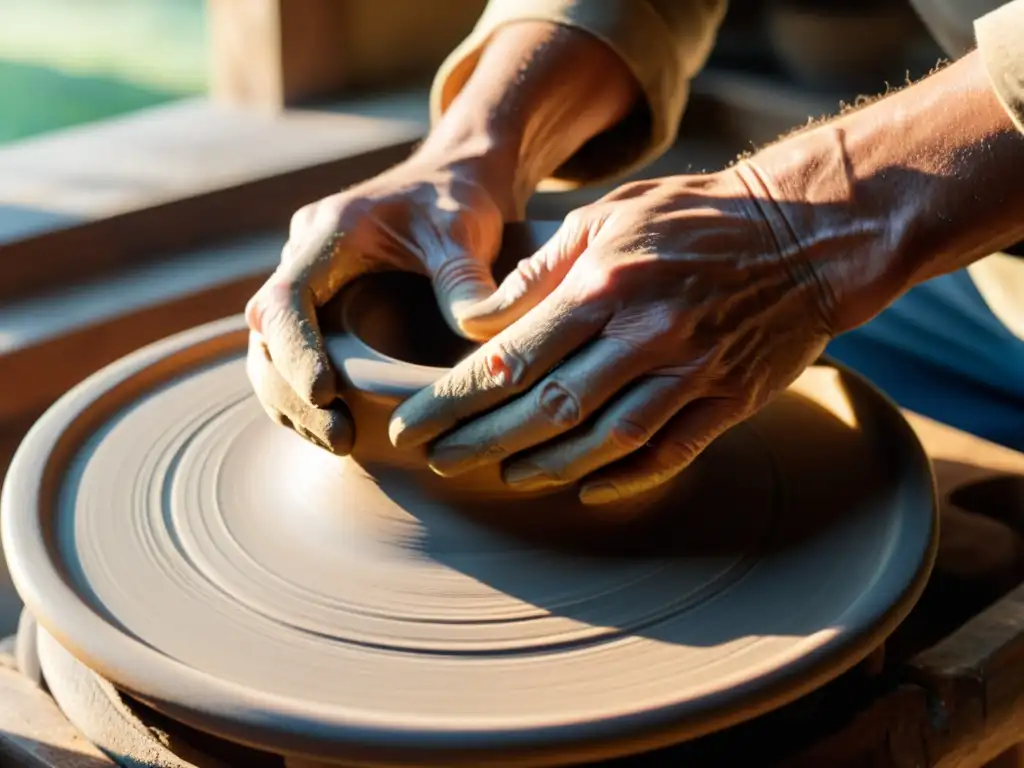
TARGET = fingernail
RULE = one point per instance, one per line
(527, 477)
(403, 435)
(396, 426)
(599, 493)
(451, 460)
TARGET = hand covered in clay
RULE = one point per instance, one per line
(653, 321)
(426, 216)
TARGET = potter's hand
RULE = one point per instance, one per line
(516, 120)
(673, 309)
(654, 320)
(425, 216)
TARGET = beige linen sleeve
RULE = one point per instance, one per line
(999, 278)
(664, 43)
(1000, 36)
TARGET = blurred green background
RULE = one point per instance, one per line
(67, 62)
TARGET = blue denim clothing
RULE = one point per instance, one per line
(940, 351)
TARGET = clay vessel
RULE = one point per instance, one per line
(388, 340)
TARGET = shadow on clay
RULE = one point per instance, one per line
(726, 512)
(728, 523)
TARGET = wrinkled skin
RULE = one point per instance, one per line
(653, 321)
(424, 216)
(670, 310)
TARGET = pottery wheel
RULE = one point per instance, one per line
(228, 574)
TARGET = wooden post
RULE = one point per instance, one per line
(277, 53)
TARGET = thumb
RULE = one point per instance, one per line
(533, 279)
(461, 282)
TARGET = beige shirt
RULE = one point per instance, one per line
(665, 43)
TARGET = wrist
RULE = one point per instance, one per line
(831, 234)
(487, 157)
(912, 186)
(537, 94)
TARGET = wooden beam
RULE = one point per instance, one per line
(276, 53)
(78, 202)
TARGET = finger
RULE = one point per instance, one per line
(558, 403)
(330, 428)
(507, 365)
(284, 314)
(532, 280)
(683, 438)
(626, 426)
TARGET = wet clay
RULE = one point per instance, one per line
(232, 576)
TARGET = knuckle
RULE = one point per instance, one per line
(302, 218)
(677, 453)
(272, 303)
(528, 269)
(253, 312)
(576, 218)
(629, 435)
(276, 416)
(559, 404)
(648, 332)
(268, 317)
(502, 365)
(630, 190)
(560, 475)
(459, 272)
(593, 277)
(556, 471)
(578, 222)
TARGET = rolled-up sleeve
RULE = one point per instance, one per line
(1000, 36)
(663, 42)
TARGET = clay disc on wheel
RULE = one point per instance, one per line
(225, 572)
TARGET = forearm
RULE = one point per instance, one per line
(952, 176)
(539, 92)
(661, 43)
(918, 184)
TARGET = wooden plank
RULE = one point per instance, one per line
(973, 679)
(34, 732)
(944, 443)
(246, 52)
(976, 676)
(276, 53)
(50, 342)
(960, 702)
(77, 202)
